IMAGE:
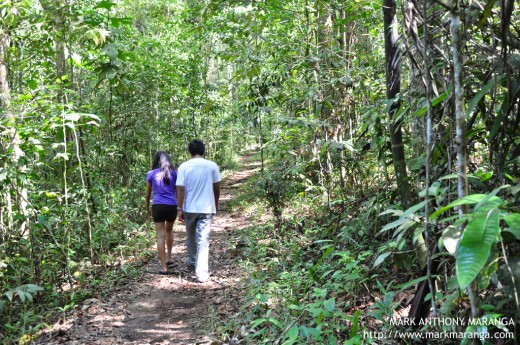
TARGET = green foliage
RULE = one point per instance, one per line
(383, 309)
(475, 245)
(74, 157)
(96, 87)
(277, 188)
(23, 292)
(299, 287)
(481, 232)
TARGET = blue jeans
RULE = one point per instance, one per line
(198, 228)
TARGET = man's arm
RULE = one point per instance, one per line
(216, 193)
(181, 193)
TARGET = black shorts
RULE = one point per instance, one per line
(164, 213)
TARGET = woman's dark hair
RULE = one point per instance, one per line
(161, 160)
(196, 147)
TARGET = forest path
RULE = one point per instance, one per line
(157, 309)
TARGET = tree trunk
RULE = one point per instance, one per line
(430, 269)
(393, 87)
(460, 136)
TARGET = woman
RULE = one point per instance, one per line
(161, 180)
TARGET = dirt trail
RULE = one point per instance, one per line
(168, 309)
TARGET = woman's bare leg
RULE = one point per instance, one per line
(169, 239)
(160, 230)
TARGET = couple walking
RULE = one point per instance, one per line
(191, 194)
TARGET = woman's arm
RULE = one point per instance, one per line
(148, 193)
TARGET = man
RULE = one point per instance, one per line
(198, 193)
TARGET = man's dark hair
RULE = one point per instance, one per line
(196, 147)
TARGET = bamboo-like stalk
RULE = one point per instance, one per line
(393, 88)
(460, 132)
(428, 141)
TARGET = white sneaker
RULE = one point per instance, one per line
(202, 280)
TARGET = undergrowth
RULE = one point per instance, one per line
(309, 272)
(319, 273)
(28, 308)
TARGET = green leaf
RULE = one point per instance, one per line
(275, 322)
(392, 212)
(393, 224)
(326, 274)
(448, 177)
(356, 340)
(92, 116)
(117, 22)
(432, 190)
(293, 333)
(32, 288)
(105, 4)
(474, 248)
(319, 319)
(454, 176)
(467, 200)
(406, 285)
(314, 276)
(450, 239)
(355, 324)
(257, 322)
(414, 208)
(330, 304)
(9, 294)
(380, 259)
(491, 200)
(72, 116)
(487, 176)
(514, 233)
(33, 85)
(111, 50)
(261, 297)
(436, 101)
(499, 118)
(513, 221)
(485, 89)
(305, 331)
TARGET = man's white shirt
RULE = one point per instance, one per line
(198, 175)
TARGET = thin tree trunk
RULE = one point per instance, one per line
(428, 139)
(460, 136)
(308, 22)
(393, 87)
